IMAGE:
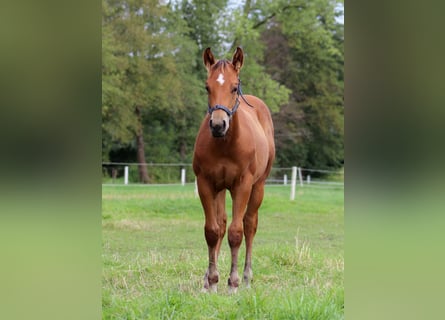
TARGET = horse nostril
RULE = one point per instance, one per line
(218, 127)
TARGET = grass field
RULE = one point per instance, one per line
(155, 256)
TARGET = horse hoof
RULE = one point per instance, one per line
(211, 289)
(233, 290)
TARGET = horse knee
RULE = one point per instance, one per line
(235, 236)
(211, 235)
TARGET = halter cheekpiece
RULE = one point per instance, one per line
(229, 112)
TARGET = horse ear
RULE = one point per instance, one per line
(238, 58)
(208, 58)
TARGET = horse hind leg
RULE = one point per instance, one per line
(250, 223)
(240, 198)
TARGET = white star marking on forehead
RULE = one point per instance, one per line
(220, 79)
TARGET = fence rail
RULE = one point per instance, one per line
(125, 173)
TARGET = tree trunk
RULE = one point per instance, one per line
(140, 153)
(182, 151)
(143, 172)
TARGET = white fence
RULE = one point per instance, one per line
(120, 173)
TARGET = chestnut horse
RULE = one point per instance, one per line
(234, 150)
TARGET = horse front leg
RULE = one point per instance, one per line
(212, 233)
(212, 275)
(240, 196)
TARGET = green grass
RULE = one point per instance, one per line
(155, 256)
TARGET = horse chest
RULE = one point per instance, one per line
(224, 169)
(225, 173)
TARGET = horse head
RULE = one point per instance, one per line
(223, 89)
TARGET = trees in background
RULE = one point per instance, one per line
(147, 80)
(153, 96)
(309, 41)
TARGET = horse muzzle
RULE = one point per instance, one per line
(219, 127)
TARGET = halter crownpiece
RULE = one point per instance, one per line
(229, 112)
(240, 93)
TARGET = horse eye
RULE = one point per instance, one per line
(234, 90)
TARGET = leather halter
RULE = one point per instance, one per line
(229, 112)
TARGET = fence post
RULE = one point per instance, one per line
(308, 178)
(300, 177)
(126, 175)
(183, 176)
(285, 180)
(293, 183)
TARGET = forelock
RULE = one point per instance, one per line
(221, 65)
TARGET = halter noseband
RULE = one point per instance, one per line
(229, 112)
